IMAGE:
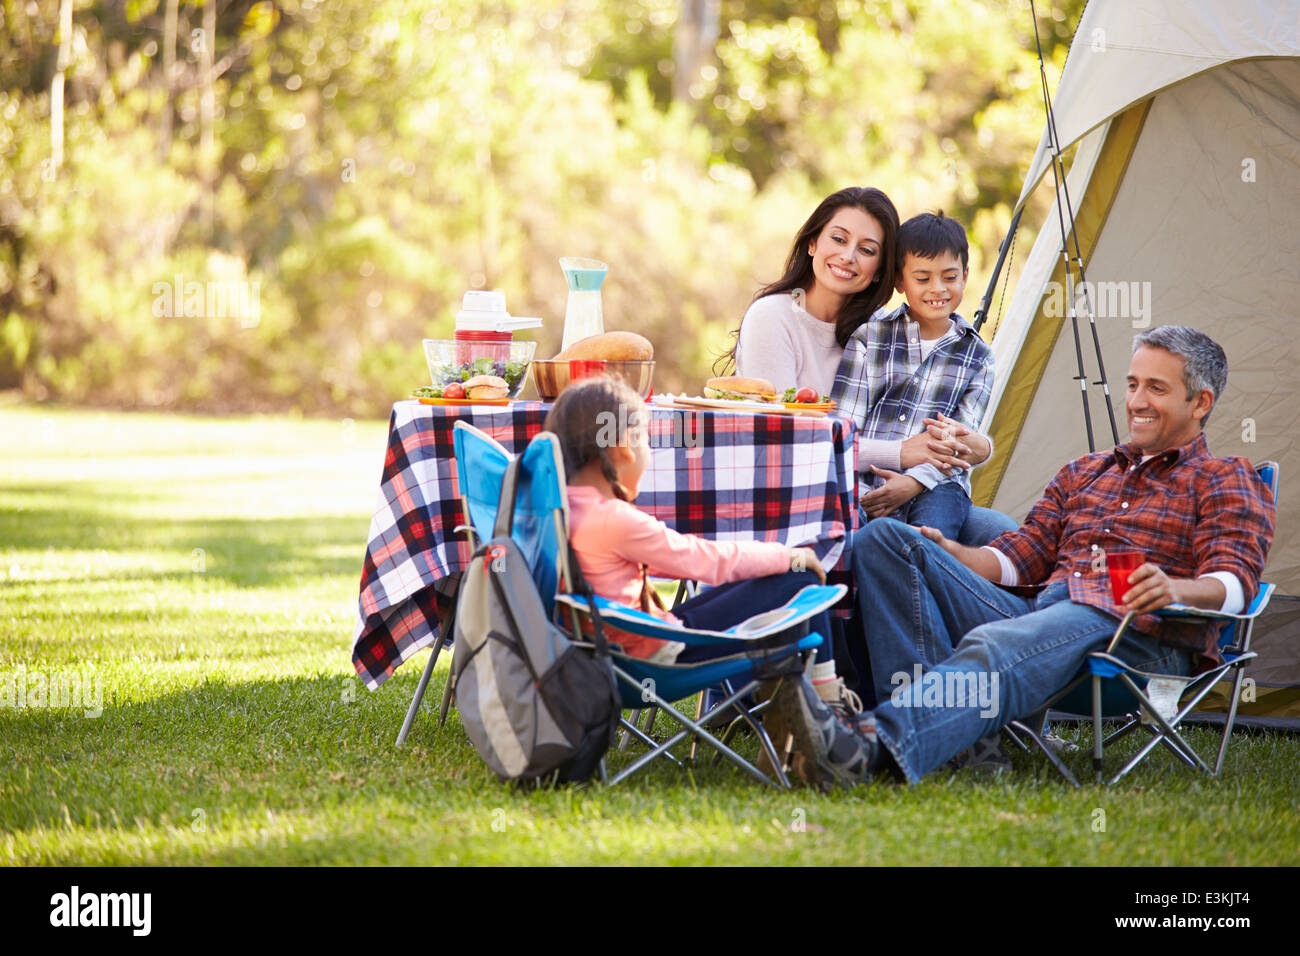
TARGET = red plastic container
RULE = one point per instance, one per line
(480, 343)
(585, 368)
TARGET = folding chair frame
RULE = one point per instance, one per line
(695, 728)
(1102, 666)
(697, 732)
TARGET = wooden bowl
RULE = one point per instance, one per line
(551, 377)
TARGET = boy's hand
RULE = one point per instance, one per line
(897, 491)
(923, 449)
(953, 438)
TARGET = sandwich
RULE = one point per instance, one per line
(486, 387)
(738, 388)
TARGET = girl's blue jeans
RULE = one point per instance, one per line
(727, 605)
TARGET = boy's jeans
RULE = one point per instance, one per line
(1011, 653)
(945, 506)
(982, 525)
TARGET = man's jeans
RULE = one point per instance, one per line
(982, 525)
(1011, 655)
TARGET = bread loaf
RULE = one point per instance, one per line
(611, 346)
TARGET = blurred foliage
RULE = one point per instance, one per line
(371, 162)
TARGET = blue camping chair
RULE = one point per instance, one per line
(767, 644)
(1110, 688)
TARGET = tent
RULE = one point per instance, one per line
(1184, 118)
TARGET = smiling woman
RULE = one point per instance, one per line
(839, 272)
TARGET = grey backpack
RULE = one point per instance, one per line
(532, 701)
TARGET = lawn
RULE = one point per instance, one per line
(203, 574)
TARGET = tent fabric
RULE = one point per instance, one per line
(1125, 52)
(1023, 348)
(1189, 242)
(1184, 185)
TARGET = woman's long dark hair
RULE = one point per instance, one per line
(857, 308)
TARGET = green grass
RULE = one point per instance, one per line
(207, 571)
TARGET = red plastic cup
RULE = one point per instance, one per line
(1119, 565)
(585, 368)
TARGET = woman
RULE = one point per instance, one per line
(839, 273)
(840, 270)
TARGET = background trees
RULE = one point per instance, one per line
(362, 165)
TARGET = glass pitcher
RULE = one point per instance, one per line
(583, 315)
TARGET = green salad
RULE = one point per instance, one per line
(790, 393)
(512, 372)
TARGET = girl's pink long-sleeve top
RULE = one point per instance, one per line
(612, 539)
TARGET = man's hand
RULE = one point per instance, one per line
(978, 560)
(1150, 589)
(897, 491)
(935, 535)
(951, 437)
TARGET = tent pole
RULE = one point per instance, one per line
(1058, 174)
(1078, 261)
(985, 303)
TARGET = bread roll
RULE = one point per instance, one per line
(610, 346)
(486, 387)
(740, 388)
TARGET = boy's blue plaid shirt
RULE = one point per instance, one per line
(884, 388)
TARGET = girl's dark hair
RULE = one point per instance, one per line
(589, 418)
(858, 308)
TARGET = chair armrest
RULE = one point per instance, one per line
(1256, 606)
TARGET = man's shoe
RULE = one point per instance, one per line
(839, 698)
(829, 750)
(985, 755)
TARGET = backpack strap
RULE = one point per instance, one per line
(505, 524)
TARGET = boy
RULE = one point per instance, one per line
(922, 361)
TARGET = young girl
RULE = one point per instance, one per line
(603, 426)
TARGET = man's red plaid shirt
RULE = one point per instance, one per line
(1189, 512)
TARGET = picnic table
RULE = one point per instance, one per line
(724, 475)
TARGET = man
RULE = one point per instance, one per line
(1204, 523)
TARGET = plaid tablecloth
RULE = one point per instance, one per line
(731, 477)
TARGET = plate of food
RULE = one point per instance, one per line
(806, 399)
(739, 393)
(479, 390)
